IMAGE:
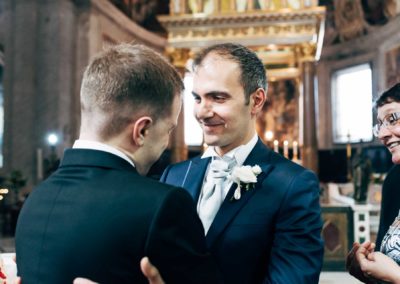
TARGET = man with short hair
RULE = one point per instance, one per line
(263, 223)
(97, 216)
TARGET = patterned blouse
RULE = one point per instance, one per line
(391, 241)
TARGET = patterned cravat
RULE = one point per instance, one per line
(212, 194)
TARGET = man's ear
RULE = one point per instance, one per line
(140, 130)
(257, 100)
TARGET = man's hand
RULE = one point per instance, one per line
(148, 269)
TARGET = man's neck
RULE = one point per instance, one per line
(111, 146)
(240, 153)
(221, 151)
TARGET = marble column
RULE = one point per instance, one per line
(179, 150)
(309, 154)
(39, 46)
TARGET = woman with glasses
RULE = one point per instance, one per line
(362, 262)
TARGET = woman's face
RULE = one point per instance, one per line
(389, 133)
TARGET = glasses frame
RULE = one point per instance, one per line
(388, 122)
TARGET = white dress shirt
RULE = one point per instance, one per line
(94, 145)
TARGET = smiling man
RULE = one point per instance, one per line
(270, 231)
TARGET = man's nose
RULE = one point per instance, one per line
(203, 110)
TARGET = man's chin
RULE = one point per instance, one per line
(211, 142)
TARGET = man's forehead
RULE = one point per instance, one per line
(215, 58)
(215, 62)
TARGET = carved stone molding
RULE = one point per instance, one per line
(251, 29)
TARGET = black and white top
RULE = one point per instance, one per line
(391, 241)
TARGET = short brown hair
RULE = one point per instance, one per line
(127, 80)
(252, 70)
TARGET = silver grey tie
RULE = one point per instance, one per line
(212, 194)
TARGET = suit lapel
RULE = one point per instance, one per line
(260, 155)
(194, 176)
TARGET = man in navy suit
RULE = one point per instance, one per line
(267, 230)
(97, 216)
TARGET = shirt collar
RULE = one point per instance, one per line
(240, 153)
(94, 145)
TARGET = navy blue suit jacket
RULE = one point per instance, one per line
(96, 217)
(272, 233)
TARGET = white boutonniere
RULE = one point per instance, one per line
(245, 177)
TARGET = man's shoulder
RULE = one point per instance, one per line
(181, 167)
(185, 163)
(289, 167)
(124, 181)
(288, 175)
(148, 185)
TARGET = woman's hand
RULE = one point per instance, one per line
(378, 265)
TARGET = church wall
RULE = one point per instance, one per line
(368, 48)
(47, 45)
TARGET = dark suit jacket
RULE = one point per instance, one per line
(390, 203)
(96, 217)
(272, 233)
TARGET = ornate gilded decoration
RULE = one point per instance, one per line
(306, 52)
(295, 25)
(235, 6)
(178, 56)
(349, 19)
(255, 28)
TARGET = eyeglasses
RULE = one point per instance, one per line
(388, 122)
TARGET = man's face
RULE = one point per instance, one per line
(390, 135)
(220, 104)
(158, 136)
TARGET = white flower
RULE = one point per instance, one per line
(256, 170)
(244, 176)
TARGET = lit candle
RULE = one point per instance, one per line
(39, 163)
(348, 150)
(269, 135)
(286, 149)
(276, 146)
(295, 150)
(348, 146)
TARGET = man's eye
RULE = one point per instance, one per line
(219, 98)
(196, 99)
